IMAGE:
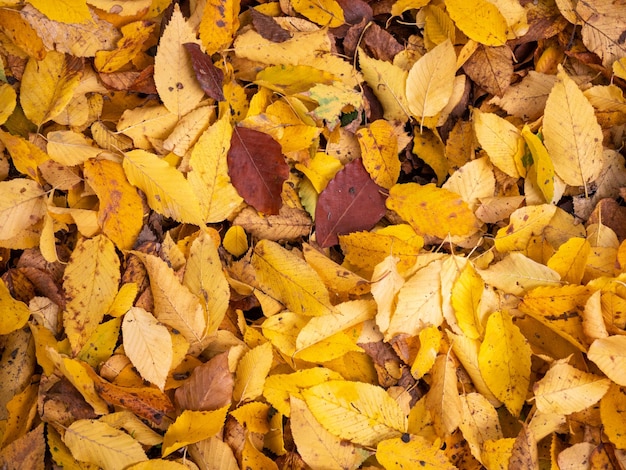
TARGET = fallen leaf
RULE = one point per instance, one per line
(207, 74)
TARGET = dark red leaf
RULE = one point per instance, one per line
(208, 75)
(351, 202)
(257, 169)
(267, 27)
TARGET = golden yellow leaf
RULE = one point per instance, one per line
(158, 464)
(524, 223)
(65, 11)
(386, 283)
(208, 176)
(22, 204)
(21, 33)
(70, 148)
(220, 22)
(473, 181)
(20, 411)
(253, 416)
(282, 330)
(502, 141)
(359, 412)
(388, 81)
(174, 304)
(609, 354)
(134, 425)
(430, 341)
(572, 134)
(480, 422)
(619, 68)
(481, 21)
(205, 279)
(612, 409)
(167, 190)
(101, 344)
(134, 35)
(193, 426)
(443, 397)
(565, 389)
(332, 347)
(421, 293)
(91, 282)
(318, 447)
(101, 444)
(320, 170)
(347, 314)
(438, 26)
(543, 163)
(466, 294)
(144, 123)
(431, 210)
(8, 100)
(504, 361)
(428, 146)
(48, 86)
(251, 373)
(174, 76)
(120, 213)
(430, 81)
(290, 280)
(251, 457)
(570, 260)
(25, 155)
(497, 453)
(379, 152)
(278, 388)
(235, 240)
(323, 12)
(148, 345)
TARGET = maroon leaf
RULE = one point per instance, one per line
(208, 75)
(257, 169)
(351, 202)
(267, 27)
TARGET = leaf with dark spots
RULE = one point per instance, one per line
(208, 75)
(257, 169)
(351, 202)
(267, 27)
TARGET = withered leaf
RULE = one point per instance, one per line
(209, 76)
(268, 27)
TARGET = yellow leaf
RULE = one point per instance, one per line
(502, 141)
(148, 345)
(359, 412)
(282, 330)
(318, 447)
(431, 210)
(558, 307)
(466, 294)
(48, 86)
(320, 170)
(543, 163)
(323, 12)
(220, 22)
(524, 223)
(290, 280)
(430, 341)
(480, 422)
(134, 35)
(443, 398)
(142, 124)
(174, 304)
(90, 281)
(167, 190)
(8, 100)
(22, 204)
(253, 458)
(612, 409)
(70, 148)
(101, 344)
(480, 21)
(565, 389)
(65, 11)
(619, 68)
(379, 152)
(253, 416)
(120, 213)
(193, 426)
(348, 314)
(412, 452)
(333, 347)
(174, 76)
(437, 26)
(101, 444)
(388, 81)
(208, 177)
(473, 181)
(572, 134)
(15, 314)
(427, 145)
(570, 260)
(205, 278)
(430, 81)
(609, 354)
(134, 425)
(251, 373)
(158, 464)
(235, 240)
(497, 453)
(386, 283)
(21, 33)
(278, 388)
(504, 361)
(25, 155)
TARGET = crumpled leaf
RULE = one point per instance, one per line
(352, 201)
(257, 169)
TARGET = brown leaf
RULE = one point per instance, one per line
(257, 169)
(210, 386)
(351, 202)
(289, 224)
(28, 451)
(209, 76)
(268, 27)
(491, 68)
